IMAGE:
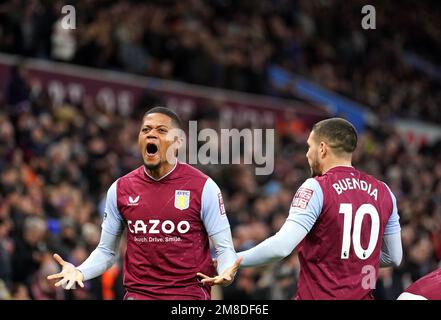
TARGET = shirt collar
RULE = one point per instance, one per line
(165, 175)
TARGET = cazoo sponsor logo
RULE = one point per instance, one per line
(156, 226)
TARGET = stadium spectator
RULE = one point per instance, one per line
(29, 250)
(233, 45)
(41, 287)
(20, 292)
(396, 166)
(389, 285)
(6, 247)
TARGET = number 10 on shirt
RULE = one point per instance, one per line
(364, 209)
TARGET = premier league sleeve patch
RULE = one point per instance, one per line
(182, 199)
(302, 197)
(221, 204)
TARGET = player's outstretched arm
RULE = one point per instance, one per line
(226, 261)
(276, 247)
(68, 276)
(303, 213)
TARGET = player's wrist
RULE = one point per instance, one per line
(80, 274)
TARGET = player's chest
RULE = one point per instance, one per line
(173, 203)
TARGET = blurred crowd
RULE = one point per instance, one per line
(58, 160)
(232, 44)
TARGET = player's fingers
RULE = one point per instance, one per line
(81, 283)
(202, 275)
(70, 284)
(222, 280)
(209, 281)
(55, 276)
(62, 282)
(59, 259)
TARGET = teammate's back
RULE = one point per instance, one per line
(344, 245)
(343, 221)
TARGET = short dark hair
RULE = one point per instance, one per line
(168, 112)
(339, 133)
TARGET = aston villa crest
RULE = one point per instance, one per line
(182, 199)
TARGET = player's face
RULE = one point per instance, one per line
(153, 140)
(313, 155)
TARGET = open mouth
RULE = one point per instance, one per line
(151, 149)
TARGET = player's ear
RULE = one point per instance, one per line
(322, 149)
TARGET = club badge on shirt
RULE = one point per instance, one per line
(182, 199)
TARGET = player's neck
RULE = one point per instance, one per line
(161, 171)
(336, 163)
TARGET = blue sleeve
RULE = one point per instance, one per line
(393, 225)
(225, 253)
(276, 247)
(213, 212)
(102, 258)
(112, 220)
(391, 250)
(307, 204)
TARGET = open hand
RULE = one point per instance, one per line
(224, 279)
(69, 275)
